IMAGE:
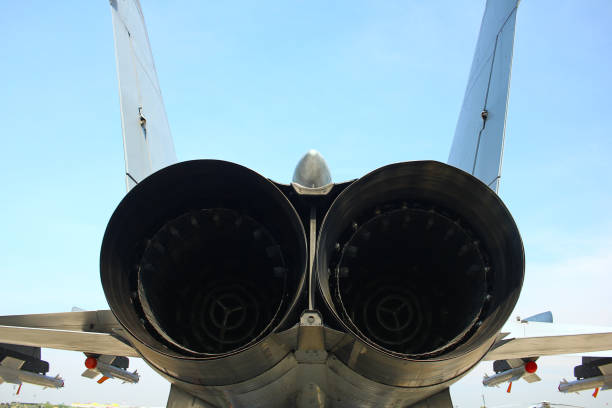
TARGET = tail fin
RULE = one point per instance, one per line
(479, 137)
(102, 379)
(147, 141)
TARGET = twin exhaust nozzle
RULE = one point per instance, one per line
(207, 258)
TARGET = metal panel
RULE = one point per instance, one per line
(327, 384)
(440, 400)
(180, 399)
(550, 345)
(99, 343)
(479, 136)
(91, 321)
(148, 144)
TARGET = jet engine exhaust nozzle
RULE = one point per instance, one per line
(419, 259)
(203, 258)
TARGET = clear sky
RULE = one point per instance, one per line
(261, 82)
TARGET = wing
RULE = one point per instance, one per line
(147, 141)
(534, 339)
(91, 332)
(479, 135)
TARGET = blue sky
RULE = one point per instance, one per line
(260, 83)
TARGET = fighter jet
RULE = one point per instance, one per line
(244, 292)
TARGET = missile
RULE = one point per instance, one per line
(17, 376)
(602, 382)
(594, 372)
(95, 366)
(511, 375)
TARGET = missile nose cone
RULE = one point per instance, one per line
(91, 363)
(312, 171)
(531, 367)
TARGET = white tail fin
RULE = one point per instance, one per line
(479, 137)
(147, 141)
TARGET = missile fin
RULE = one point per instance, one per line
(106, 359)
(102, 379)
(12, 362)
(606, 369)
(89, 373)
(530, 378)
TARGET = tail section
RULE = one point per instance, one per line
(147, 141)
(479, 137)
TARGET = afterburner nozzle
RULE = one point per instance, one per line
(420, 259)
(203, 258)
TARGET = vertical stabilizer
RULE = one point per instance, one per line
(147, 141)
(479, 137)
